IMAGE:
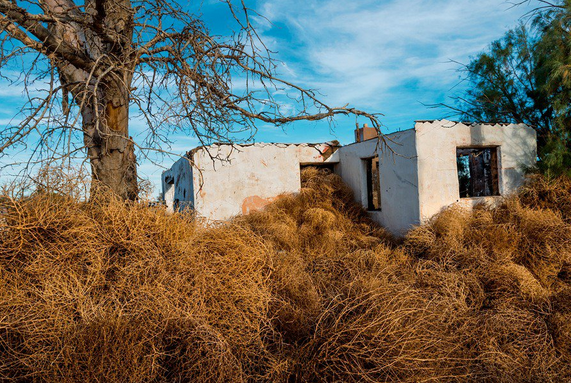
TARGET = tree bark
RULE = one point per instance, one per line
(97, 46)
(109, 147)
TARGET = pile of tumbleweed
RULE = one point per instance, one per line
(306, 290)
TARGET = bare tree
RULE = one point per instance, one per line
(98, 59)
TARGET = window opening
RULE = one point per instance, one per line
(329, 166)
(373, 183)
(477, 172)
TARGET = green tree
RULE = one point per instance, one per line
(525, 77)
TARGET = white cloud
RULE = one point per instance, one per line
(382, 55)
(365, 52)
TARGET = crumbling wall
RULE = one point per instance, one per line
(244, 178)
(436, 145)
(398, 178)
(418, 174)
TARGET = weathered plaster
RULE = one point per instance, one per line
(398, 178)
(418, 175)
(244, 178)
(436, 144)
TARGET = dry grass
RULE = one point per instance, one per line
(306, 290)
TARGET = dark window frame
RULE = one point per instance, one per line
(374, 201)
(478, 171)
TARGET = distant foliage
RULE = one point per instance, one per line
(525, 77)
(308, 289)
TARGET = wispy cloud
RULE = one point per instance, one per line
(373, 53)
(384, 56)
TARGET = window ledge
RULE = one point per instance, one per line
(479, 198)
(470, 202)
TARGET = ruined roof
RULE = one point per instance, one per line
(333, 143)
(469, 122)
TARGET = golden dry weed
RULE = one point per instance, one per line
(308, 289)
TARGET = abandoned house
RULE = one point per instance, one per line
(431, 166)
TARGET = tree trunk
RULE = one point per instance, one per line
(109, 147)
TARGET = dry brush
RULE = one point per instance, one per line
(306, 290)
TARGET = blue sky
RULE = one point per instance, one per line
(383, 56)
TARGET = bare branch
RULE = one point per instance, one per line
(109, 55)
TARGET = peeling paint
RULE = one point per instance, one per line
(418, 178)
(248, 176)
(421, 177)
(255, 202)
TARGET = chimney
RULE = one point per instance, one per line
(365, 133)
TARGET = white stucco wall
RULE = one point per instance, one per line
(250, 177)
(397, 177)
(436, 144)
(418, 177)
